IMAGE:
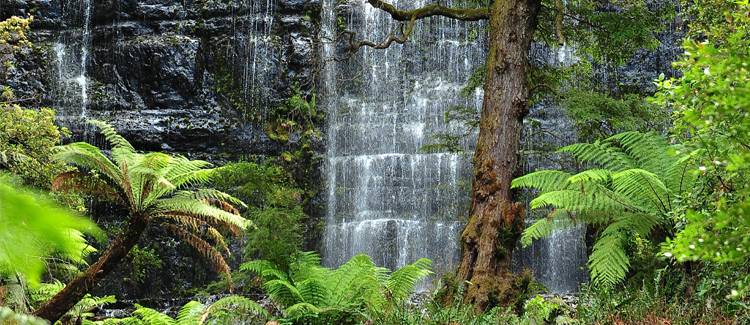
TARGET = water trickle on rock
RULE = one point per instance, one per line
(72, 55)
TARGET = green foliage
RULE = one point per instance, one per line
(711, 102)
(165, 189)
(356, 291)
(610, 33)
(14, 45)
(598, 115)
(143, 261)
(275, 206)
(26, 144)
(227, 310)
(33, 228)
(634, 185)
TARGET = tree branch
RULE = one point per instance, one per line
(466, 14)
(392, 37)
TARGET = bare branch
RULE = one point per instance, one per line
(466, 14)
(392, 37)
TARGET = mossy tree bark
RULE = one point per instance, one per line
(76, 289)
(496, 221)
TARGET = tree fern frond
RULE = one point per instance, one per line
(644, 187)
(591, 175)
(187, 206)
(574, 200)
(209, 253)
(114, 139)
(600, 154)
(403, 281)
(650, 150)
(206, 194)
(86, 184)
(608, 262)
(301, 310)
(283, 292)
(190, 313)
(152, 317)
(87, 156)
(543, 180)
(236, 305)
(543, 228)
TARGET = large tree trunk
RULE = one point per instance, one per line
(496, 221)
(82, 284)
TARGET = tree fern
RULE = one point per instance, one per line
(634, 182)
(160, 189)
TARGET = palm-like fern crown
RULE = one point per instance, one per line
(356, 286)
(633, 185)
(159, 187)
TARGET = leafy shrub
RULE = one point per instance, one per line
(275, 206)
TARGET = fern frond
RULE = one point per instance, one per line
(152, 317)
(543, 180)
(608, 262)
(208, 252)
(403, 281)
(86, 184)
(267, 270)
(591, 176)
(600, 154)
(574, 200)
(187, 206)
(283, 292)
(234, 305)
(114, 139)
(643, 187)
(313, 291)
(190, 313)
(543, 228)
(650, 150)
(89, 157)
(301, 310)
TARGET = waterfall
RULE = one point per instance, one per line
(386, 197)
(72, 55)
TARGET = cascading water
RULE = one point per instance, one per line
(386, 197)
(252, 49)
(72, 55)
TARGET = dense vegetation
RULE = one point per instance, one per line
(667, 209)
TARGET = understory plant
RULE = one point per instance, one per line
(355, 292)
(634, 182)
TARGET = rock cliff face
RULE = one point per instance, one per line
(197, 77)
(189, 76)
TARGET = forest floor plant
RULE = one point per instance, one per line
(358, 291)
